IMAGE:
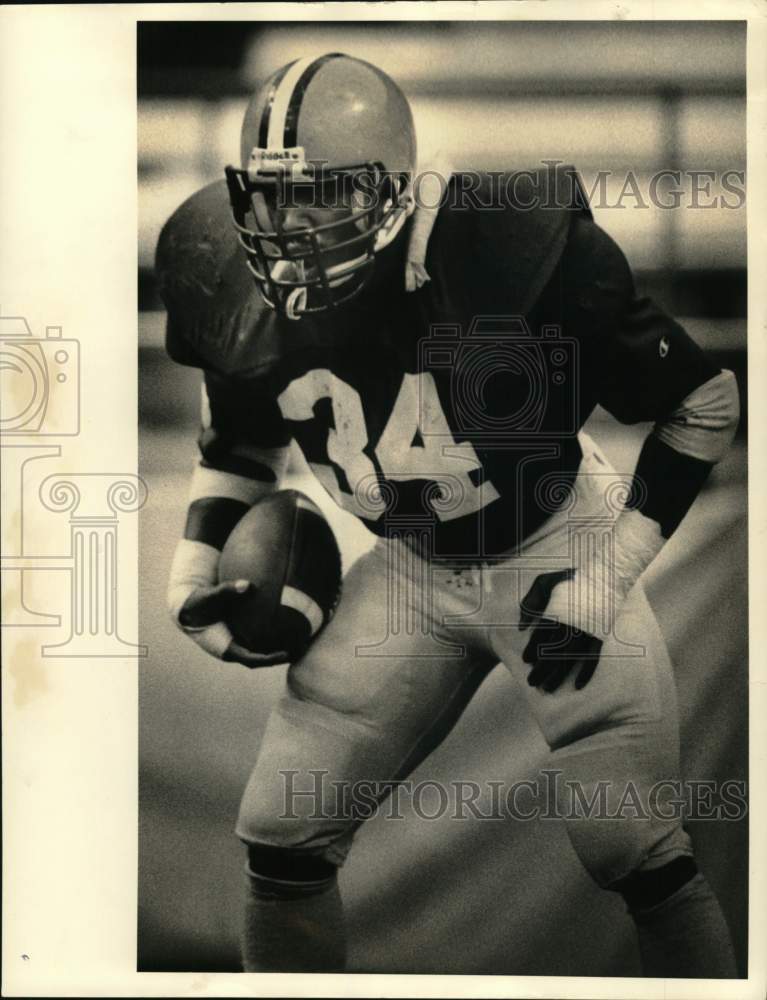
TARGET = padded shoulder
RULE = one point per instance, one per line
(216, 318)
(597, 282)
(512, 227)
(195, 241)
(644, 362)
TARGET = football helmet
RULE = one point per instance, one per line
(332, 133)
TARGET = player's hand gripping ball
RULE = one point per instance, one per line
(287, 552)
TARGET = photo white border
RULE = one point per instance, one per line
(68, 258)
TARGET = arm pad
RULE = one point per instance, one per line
(678, 456)
(704, 423)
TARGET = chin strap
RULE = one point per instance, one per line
(430, 188)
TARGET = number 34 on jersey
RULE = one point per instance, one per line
(416, 443)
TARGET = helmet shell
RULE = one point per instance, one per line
(342, 111)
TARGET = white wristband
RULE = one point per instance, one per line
(592, 598)
(195, 564)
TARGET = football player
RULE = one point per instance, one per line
(435, 359)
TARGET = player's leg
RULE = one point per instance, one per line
(681, 929)
(372, 697)
(615, 746)
(645, 854)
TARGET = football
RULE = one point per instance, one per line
(285, 547)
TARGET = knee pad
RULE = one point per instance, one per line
(608, 849)
(613, 849)
(650, 887)
(283, 872)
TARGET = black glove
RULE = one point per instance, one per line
(555, 648)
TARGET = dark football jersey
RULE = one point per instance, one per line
(449, 414)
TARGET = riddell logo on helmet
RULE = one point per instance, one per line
(291, 155)
(278, 154)
(270, 161)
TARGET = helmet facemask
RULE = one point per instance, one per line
(314, 268)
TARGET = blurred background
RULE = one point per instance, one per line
(630, 99)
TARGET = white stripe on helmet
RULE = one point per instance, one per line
(276, 133)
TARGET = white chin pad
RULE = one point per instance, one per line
(296, 300)
(288, 270)
(295, 304)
